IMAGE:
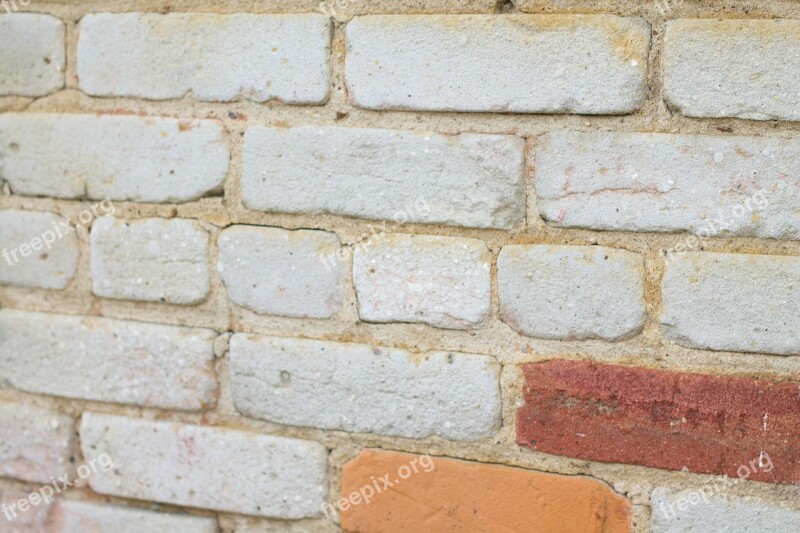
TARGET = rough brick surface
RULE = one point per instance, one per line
(733, 68)
(672, 420)
(108, 360)
(211, 468)
(737, 302)
(688, 511)
(592, 64)
(35, 443)
(31, 54)
(441, 281)
(143, 159)
(75, 516)
(213, 57)
(571, 292)
(33, 255)
(661, 182)
(154, 260)
(33, 520)
(470, 179)
(281, 272)
(465, 496)
(358, 388)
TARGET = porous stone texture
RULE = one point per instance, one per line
(364, 389)
(153, 260)
(280, 272)
(472, 180)
(108, 360)
(440, 281)
(208, 467)
(440, 494)
(708, 185)
(737, 302)
(592, 64)
(733, 68)
(31, 54)
(233, 57)
(38, 251)
(674, 511)
(35, 443)
(77, 516)
(142, 159)
(571, 292)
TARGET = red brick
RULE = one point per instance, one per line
(672, 420)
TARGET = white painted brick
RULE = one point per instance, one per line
(733, 68)
(571, 292)
(280, 272)
(73, 516)
(364, 389)
(207, 467)
(213, 57)
(34, 519)
(143, 159)
(659, 182)
(473, 180)
(154, 260)
(31, 54)
(108, 360)
(52, 265)
(736, 302)
(717, 513)
(441, 281)
(35, 443)
(592, 64)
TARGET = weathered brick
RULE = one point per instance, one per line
(454, 495)
(213, 57)
(33, 253)
(365, 389)
(733, 68)
(692, 510)
(108, 360)
(708, 185)
(154, 260)
(207, 467)
(31, 54)
(734, 302)
(441, 281)
(76, 516)
(593, 64)
(571, 292)
(35, 443)
(281, 272)
(143, 159)
(34, 519)
(473, 180)
(663, 419)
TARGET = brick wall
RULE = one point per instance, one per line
(459, 265)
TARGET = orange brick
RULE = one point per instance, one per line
(455, 495)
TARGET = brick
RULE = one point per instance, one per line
(31, 54)
(108, 360)
(212, 57)
(153, 260)
(472, 180)
(571, 292)
(452, 495)
(440, 281)
(142, 159)
(690, 510)
(707, 185)
(592, 64)
(51, 261)
(33, 520)
(733, 302)
(211, 468)
(364, 389)
(35, 443)
(280, 272)
(74, 515)
(663, 419)
(733, 68)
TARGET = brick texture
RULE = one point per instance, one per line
(74, 516)
(31, 54)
